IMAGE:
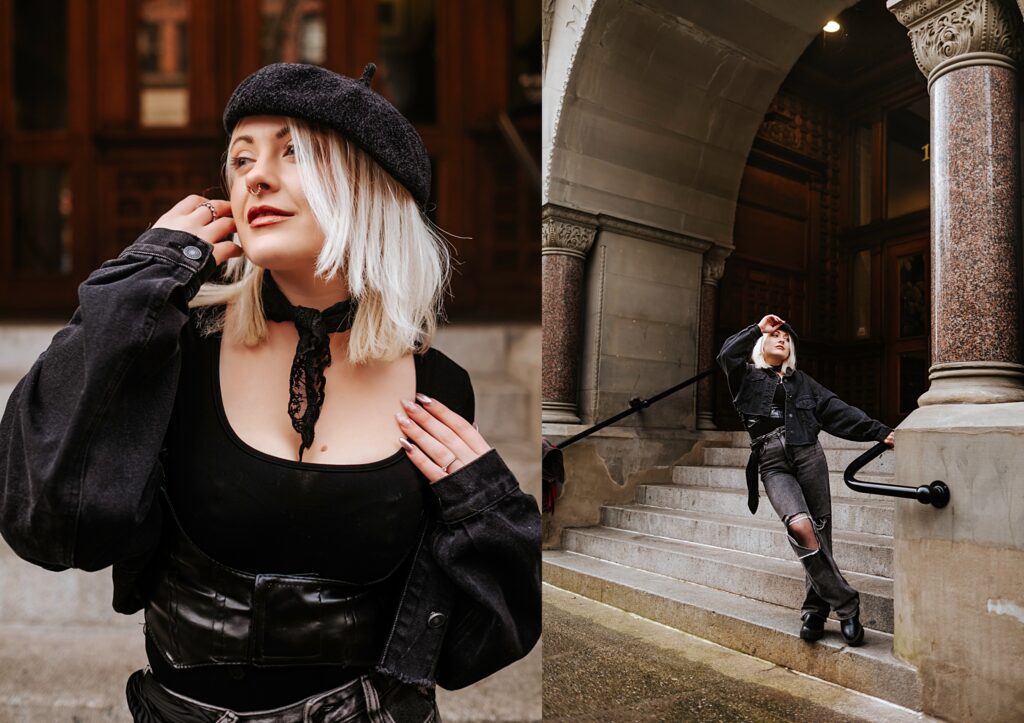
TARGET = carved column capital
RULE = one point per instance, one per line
(713, 267)
(949, 34)
(567, 232)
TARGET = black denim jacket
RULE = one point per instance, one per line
(810, 407)
(80, 442)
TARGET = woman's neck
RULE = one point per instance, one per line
(309, 291)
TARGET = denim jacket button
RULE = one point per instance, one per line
(436, 620)
(193, 252)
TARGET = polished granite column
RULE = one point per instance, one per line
(566, 237)
(711, 273)
(968, 49)
(958, 571)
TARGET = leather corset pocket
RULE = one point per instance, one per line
(306, 620)
(202, 612)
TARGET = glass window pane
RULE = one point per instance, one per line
(163, 44)
(907, 182)
(40, 65)
(863, 173)
(862, 294)
(42, 219)
(914, 303)
(294, 31)
(407, 72)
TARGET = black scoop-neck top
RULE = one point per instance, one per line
(265, 514)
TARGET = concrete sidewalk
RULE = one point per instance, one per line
(604, 664)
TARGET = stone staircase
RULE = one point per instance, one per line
(65, 655)
(690, 555)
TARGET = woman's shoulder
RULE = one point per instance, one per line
(446, 380)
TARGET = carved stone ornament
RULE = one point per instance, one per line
(713, 268)
(941, 30)
(572, 236)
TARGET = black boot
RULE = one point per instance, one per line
(813, 627)
(853, 631)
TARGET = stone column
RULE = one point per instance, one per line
(711, 274)
(968, 49)
(566, 237)
(958, 573)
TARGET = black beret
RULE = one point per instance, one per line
(789, 330)
(349, 106)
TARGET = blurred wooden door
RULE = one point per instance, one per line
(907, 321)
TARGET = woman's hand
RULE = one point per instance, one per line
(438, 441)
(770, 323)
(891, 440)
(209, 219)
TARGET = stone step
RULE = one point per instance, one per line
(854, 551)
(68, 672)
(754, 627)
(780, 582)
(828, 441)
(862, 514)
(735, 478)
(838, 459)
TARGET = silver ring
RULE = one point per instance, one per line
(213, 211)
(258, 191)
(450, 463)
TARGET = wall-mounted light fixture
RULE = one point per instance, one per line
(832, 27)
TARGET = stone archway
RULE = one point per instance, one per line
(650, 110)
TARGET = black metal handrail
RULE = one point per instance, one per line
(635, 405)
(937, 493)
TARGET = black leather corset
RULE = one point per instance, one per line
(201, 612)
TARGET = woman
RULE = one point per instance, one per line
(301, 554)
(783, 409)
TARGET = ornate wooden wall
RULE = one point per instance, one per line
(123, 174)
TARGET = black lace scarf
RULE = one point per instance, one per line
(312, 355)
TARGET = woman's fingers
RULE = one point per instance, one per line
(209, 219)
(439, 440)
(423, 463)
(224, 250)
(770, 323)
(467, 432)
(436, 440)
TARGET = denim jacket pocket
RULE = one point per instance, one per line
(805, 406)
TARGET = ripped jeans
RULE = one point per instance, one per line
(796, 482)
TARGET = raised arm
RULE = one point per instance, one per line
(735, 355)
(486, 541)
(82, 431)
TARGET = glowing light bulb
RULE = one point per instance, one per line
(831, 27)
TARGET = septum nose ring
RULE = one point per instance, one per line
(258, 191)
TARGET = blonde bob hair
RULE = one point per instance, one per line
(394, 262)
(757, 356)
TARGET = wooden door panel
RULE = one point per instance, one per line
(907, 324)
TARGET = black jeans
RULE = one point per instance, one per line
(796, 482)
(367, 699)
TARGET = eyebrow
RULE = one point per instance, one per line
(277, 136)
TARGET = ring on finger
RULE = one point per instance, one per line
(213, 211)
(452, 461)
